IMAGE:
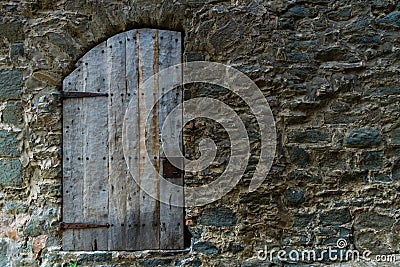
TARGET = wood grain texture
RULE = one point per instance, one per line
(98, 187)
(149, 142)
(133, 196)
(72, 161)
(95, 150)
(118, 172)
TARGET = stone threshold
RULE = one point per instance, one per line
(105, 255)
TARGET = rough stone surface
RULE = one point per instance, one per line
(189, 262)
(92, 258)
(8, 144)
(12, 31)
(3, 253)
(218, 217)
(373, 220)
(396, 170)
(207, 248)
(10, 172)
(299, 12)
(307, 136)
(299, 156)
(329, 70)
(395, 136)
(155, 262)
(335, 217)
(303, 220)
(294, 196)
(16, 51)
(234, 247)
(363, 138)
(256, 263)
(13, 113)
(15, 208)
(11, 84)
(34, 227)
(371, 160)
(392, 19)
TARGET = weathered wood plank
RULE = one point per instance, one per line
(118, 171)
(171, 217)
(95, 185)
(132, 188)
(72, 161)
(149, 207)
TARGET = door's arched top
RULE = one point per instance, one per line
(132, 41)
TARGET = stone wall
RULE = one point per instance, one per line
(329, 69)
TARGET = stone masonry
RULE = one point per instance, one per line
(330, 70)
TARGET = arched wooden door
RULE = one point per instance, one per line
(103, 208)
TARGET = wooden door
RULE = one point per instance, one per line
(103, 207)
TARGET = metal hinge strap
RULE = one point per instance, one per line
(64, 225)
(64, 94)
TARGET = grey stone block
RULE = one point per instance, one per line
(335, 217)
(384, 90)
(10, 84)
(294, 196)
(396, 170)
(189, 262)
(363, 138)
(371, 160)
(34, 227)
(342, 14)
(10, 172)
(15, 208)
(218, 217)
(299, 156)
(13, 113)
(97, 257)
(256, 263)
(12, 31)
(300, 12)
(391, 19)
(16, 50)
(194, 56)
(207, 248)
(303, 220)
(3, 253)
(304, 177)
(395, 136)
(235, 247)
(336, 54)
(373, 220)
(308, 136)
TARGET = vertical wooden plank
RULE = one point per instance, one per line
(149, 207)
(132, 188)
(72, 161)
(171, 217)
(118, 171)
(95, 158)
